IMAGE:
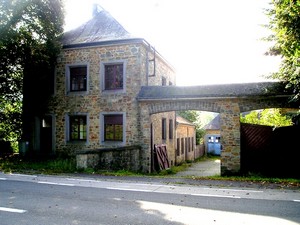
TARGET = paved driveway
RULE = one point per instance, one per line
(209, 167)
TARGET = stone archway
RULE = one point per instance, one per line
(230, 128)
(228, 100)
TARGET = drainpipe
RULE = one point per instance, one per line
(150, 49)
(147, 67)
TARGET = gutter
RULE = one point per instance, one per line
(103, 43)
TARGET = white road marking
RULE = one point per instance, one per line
(154, 188)
(53, 183)
(12, 210)
(22, 175)
(128, 189)
(83, 180)
(218, 196)
(236, 190)
(203, 195)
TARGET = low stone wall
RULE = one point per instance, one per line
(120, 158)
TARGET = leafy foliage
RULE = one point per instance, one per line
(284, 18)
(268, 117)
(193, 116)
(28, 48)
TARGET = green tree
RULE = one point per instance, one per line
(28, 50)
(284, 16)
(268, 117)
(193, 116)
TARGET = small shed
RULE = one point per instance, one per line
(186, 139)
(212, 137)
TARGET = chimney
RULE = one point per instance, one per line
(96, 9)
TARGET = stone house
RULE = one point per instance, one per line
(185, 140)
(94, 113)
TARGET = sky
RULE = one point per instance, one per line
(207, 42)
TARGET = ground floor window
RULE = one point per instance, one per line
(77, 127)
(164, 128)
(178, 147)
(112, 127)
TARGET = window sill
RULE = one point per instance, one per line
(79, 142)
(116, 91)
(69, 93)
(113, 143)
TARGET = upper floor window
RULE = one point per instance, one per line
(77, 78)
(112, 75)
(78, 128)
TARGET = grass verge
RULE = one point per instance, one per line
(15, 164)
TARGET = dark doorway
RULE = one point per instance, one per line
(46, 142)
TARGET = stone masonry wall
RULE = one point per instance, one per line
(123, 158)
(156, 121)
(230, 124)
(96, 101)
(183, 132)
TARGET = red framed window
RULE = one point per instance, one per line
(78, 78)
(113, 77)
(113, 127)
(78, 128)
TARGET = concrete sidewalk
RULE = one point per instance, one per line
(209, 167)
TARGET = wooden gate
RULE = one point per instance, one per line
(271, 152)
(160, 158)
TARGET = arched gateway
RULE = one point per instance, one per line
(229, 100)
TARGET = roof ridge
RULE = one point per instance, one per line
(101, 27)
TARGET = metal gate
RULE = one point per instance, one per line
(269, 151)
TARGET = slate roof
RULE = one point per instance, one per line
(211, 91)
(214, 124)
(181, 120)
(102, 27)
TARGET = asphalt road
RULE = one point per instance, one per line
(73, 200)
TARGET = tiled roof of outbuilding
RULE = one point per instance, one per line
(214, 124)
(181, 120)
(102, 27)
